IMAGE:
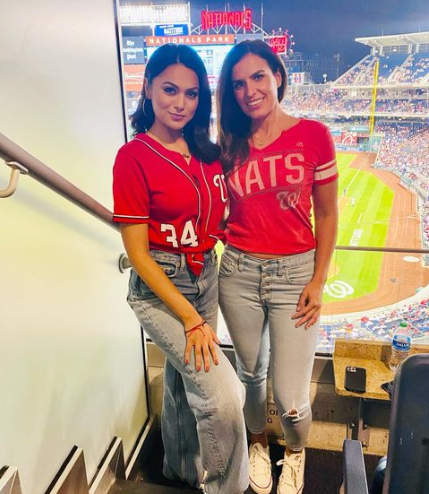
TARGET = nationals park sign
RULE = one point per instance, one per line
(197, 39)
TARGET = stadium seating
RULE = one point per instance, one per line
(394, 68)
(334, 101)
(350, 77)
(415, 69)
(388, 64)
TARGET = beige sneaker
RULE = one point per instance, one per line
(292, 478)
(260, 477)
(202, 485)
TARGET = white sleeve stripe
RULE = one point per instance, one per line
(326, 165)
(132, 217)
(323, 175)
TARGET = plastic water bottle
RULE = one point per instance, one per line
(401, 345)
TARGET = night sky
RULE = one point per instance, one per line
(330, 26)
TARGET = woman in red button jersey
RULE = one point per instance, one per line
(274, 267)
(170, 196)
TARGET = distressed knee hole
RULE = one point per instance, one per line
(297, 414)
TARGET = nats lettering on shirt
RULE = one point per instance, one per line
(271, 193)
(182, 204)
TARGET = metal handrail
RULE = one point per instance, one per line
(17, 170)
(11, 152)
(383, 249)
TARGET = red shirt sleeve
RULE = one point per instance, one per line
(326, 170)
(130, 191)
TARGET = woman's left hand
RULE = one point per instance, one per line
(309, 304)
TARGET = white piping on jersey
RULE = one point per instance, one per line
(194, 260)
(128, 216)
(210, 197)
(178, 167)
(325, 165)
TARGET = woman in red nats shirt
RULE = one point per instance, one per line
(274, 268)
(170, 197)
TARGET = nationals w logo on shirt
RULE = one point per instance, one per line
(289, 199)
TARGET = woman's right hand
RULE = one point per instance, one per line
(202, 339)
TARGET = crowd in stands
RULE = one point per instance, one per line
(379, 326)
(350, 77)
(414, 70)
(339, 102)
(424, 213)
(394, 68)
(389, 65)
(405, 152)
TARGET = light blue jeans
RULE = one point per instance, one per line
(257, 299)
(202, 419)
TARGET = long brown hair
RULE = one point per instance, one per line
(195, 132)
(233, 125)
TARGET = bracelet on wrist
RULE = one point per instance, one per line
(198, 326)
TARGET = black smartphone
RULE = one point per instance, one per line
(355, 379)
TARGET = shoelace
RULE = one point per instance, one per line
(257, 452)
(293, 467)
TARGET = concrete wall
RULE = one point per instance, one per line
(71, 365)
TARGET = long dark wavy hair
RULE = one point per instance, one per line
(234, 127)
(196, 131)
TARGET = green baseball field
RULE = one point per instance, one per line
(365, 205)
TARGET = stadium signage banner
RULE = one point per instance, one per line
(237, 19)
(149, 15)
(297, 78)
(278, 44)
(133, 77)
(172, 30)
(200, 39)
(349, 138)
(133, 50)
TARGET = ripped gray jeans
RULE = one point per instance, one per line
(257, 298)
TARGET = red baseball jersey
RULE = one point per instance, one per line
(271, 193)
(182, 204)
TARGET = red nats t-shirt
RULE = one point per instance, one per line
(271, 193)
(182, 204)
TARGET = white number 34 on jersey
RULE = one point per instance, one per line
(189, 237)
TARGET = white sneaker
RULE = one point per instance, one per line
(202, 485)
(260, 477)
(292, 478)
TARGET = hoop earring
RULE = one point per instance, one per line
(143, 110)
